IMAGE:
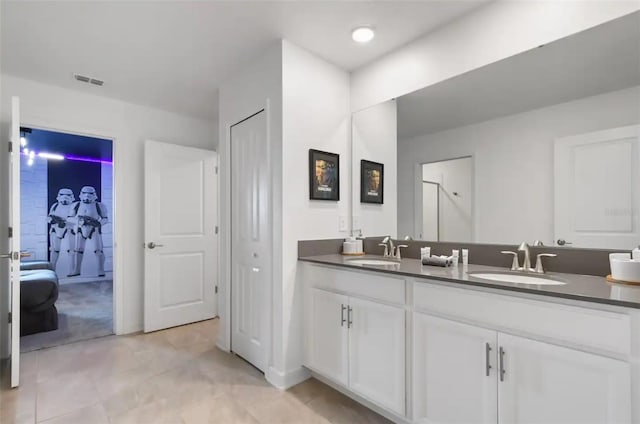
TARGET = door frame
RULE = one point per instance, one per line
(117, 184)
(417, 193)
(224, 213)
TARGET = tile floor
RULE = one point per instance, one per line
(171, 376)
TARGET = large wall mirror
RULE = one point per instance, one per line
(542, 146)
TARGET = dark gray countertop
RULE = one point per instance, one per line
(578, 287)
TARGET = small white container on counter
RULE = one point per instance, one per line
(465, 257)
(425, 252)
(455, 254)
(623, 268)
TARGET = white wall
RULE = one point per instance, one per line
(456, 197)
(496, 31)
(50, 107)
(513, 162)
(315, 116)
(375, 139)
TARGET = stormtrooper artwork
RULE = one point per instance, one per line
(61, 229)
(88, 216)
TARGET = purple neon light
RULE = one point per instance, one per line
(86, 159)
(76, 158)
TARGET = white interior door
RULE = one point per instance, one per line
(250, 239)
(543, 383)
(13, 246)
(181, 244)
(597, 189)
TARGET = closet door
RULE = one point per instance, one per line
(251, 250)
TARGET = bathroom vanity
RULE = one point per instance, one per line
(423, 344)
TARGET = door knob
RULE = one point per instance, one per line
(6, 255)
(562, 242)
(152, 245)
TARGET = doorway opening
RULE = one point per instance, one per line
(66, 195)
(447, 200)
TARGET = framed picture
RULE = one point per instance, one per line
(371, 182)
(324, 175)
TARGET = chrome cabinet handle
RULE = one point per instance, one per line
(487, 353)
(152, 245)
(502, 371)
(342, 318)
(349, 317)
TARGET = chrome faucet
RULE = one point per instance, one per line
(524, 247)
(389, 248)
(526, 266)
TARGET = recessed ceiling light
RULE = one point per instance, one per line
(363, 34)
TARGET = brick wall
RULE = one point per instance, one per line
(33, 203)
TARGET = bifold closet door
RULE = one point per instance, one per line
(250, 239)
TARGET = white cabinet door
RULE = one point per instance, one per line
(454, 372)
(328, 341)
(377, 353)
(543, 383)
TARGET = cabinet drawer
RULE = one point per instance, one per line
(365, 284)
(601, 330)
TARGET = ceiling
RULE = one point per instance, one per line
(599, 60)
(173, 55)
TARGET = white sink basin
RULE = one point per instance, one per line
(364, 261)
(517, 278)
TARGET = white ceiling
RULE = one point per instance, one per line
(596, 61)
(173, 54)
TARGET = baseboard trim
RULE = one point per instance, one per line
(222, 346)
(286, 380)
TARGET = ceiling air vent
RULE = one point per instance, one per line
(88, 80)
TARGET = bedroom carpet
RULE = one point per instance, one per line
(84, 312)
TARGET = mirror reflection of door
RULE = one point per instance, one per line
(447, 200)
(430, 211)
